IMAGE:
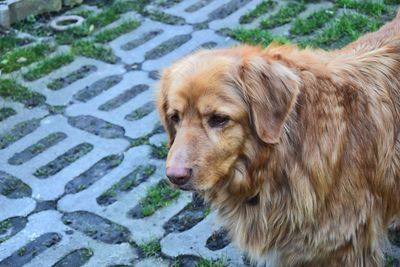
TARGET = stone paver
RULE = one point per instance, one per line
(72, 174)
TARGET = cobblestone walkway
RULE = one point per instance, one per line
(76, 172)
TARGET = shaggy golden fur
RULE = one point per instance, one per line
(298, 150)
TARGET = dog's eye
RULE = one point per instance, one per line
(175, 118)
(218, 120)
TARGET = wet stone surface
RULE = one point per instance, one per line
(126, 184)
(26, 253)
(13, 187)
(56, 180)
(96, 227)
(124, 97)
(81, 73)
(17, 132)
(97, 126)
(76, 258)
(34, 150)
(97, 88)
(94, 173)
(141, 112)
(63, 161)
(168, 46)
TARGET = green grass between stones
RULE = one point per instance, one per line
(313, 22)
(343, 30)
(112, 33)
(93, 50)
(257, 37)
(6, 112)
(17, 58)
(11, 89)
(158, 196)
(151, 249)
(9, 42)
(258, 11)
(48, 65)
(365, 6)
(391, 2)
(160, 152)
(284, 15)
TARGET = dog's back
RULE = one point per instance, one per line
(379, 54)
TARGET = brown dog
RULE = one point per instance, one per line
(298, 150)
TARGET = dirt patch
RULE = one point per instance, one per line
(34, 150)
(124, 97)
(198, 5)
(79, 74)
(10, 227)
(126, 184)
(218, 240)
(167, 46)
(227, 9)
(144, 38)
(26, 253)
(154, 75)
(45, 205)
(75, 258)
(166, 18)
(209, 45)
(97, 88)
(187, 261)
(191, 215)
(63, 161)
(166, 3)
(96, 227)
(94, 173)
(17, 132)
(200, 26)
(6, 113)
(13, 187)
(141, 112)
(97, 126)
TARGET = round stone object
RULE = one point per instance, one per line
(63, 23)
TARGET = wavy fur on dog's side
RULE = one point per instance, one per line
(321, 152)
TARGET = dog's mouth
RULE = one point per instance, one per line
(186, 187)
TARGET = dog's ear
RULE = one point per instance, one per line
(162, 105)
(271, 90)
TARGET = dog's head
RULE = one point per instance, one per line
(214, 104)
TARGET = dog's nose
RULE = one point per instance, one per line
(179, 176)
